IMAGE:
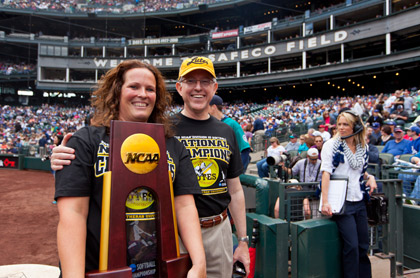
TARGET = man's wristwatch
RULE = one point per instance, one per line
(245, 239)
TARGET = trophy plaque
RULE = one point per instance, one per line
(139, 236)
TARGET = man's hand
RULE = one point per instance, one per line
(62, 155)
(242, 254)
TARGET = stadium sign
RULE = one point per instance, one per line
(225, 34)
(246, 54)
(152, 41)
(257, 28)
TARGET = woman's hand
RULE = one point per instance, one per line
(326, 209)
(372, 183)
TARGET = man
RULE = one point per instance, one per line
(214, 153)
(375, 118)
(400, 115)
(408, 102)
(308, 170)
(359, 108)
(375, 136)
(397, 146)
(216, 106)
(325, 134)
(258, 132)
(413, 146)
(293, 145)
(319, 142)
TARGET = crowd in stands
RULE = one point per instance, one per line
(392, 125)
(11, 68)
(31, 130)
(393, 128)
(104, 6)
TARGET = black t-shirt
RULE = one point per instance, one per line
(215, 156)
(84, 178)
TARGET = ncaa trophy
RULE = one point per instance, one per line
(139, 236)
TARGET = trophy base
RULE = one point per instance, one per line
(124, 272)
(176, 268)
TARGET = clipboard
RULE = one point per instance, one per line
(337, 193)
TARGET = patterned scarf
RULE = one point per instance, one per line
(356, 160)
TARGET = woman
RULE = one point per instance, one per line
(346, 154)
(133, 91)
(275, 150)
(328, 121)
(247, 129)
(386, 136)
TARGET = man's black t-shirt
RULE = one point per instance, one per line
(215, 156)
(84, 178)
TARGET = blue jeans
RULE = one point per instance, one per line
(416, 190)
(353, 228)
(245, 158)
(407, 179)
(262, 168)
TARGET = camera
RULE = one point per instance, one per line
(274, 160)
(238, 270)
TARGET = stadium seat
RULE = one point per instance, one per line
(380, 147)
(387, 158)
(293, 153)
(406, 157)
(303, 154)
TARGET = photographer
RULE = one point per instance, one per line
(275, 151)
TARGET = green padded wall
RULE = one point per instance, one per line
(261, 194)
(411, 236)
(35, 163)
(272, 246)
(316, 249)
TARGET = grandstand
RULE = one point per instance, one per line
(262, 49)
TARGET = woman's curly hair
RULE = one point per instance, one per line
(106, 99)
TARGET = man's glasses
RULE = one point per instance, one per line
(193, 82)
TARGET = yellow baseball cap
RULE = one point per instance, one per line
(195, 63)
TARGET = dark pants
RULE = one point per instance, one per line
(245, 158)
(353, 228)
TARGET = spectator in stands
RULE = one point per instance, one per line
(303, 146)
(274, 150)
(399, 100)
(375, 136)
(408, 102)
(319, 142)
(248, 134)
(400, 115)
(216, 107)
(293, 145)
(413, 146)
(258, 132)
(11, 149)
(359, 107)
(375, 118)
(397, 146)
(308, 121)
(324, 133)
(328, 120)
(386, 135)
